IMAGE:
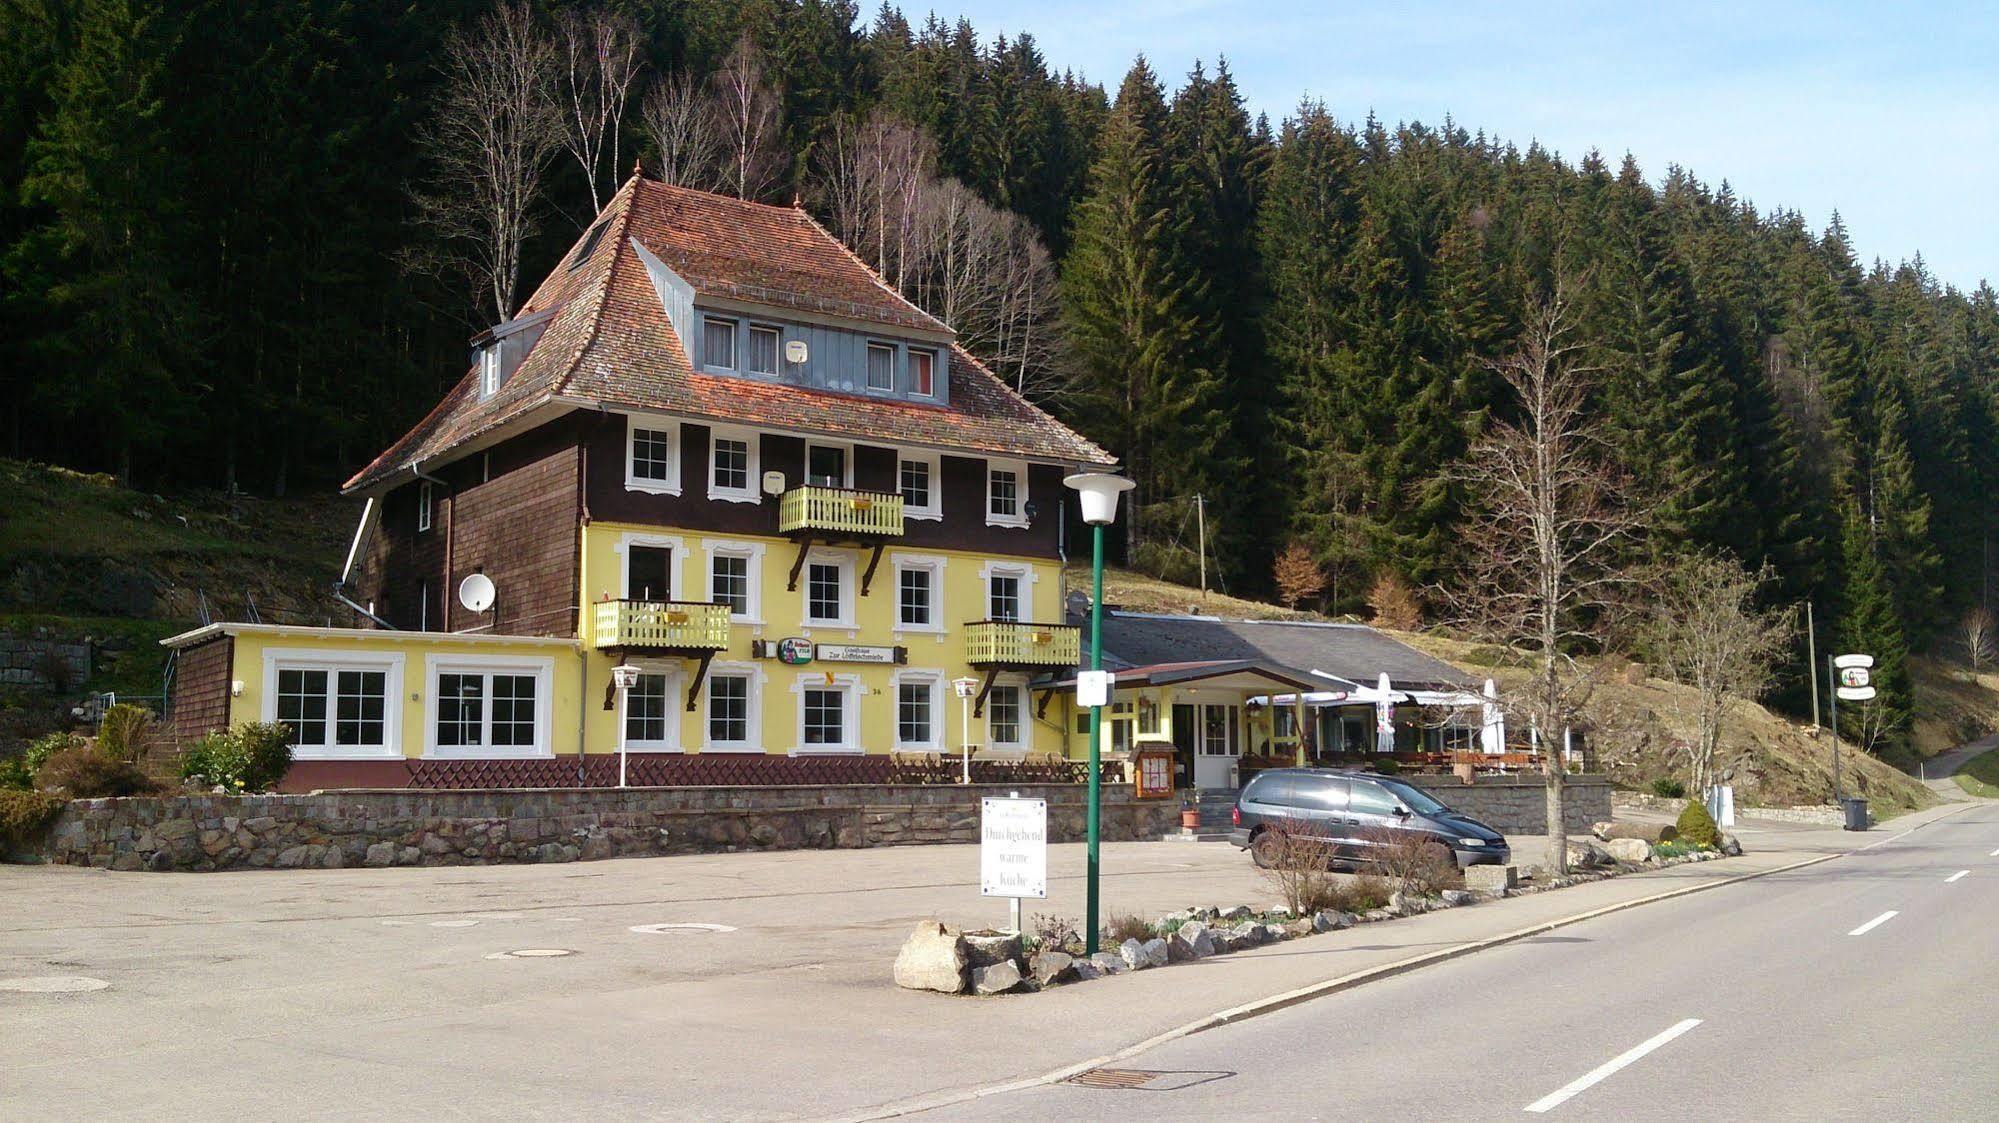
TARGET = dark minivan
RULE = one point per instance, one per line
(1352, 810)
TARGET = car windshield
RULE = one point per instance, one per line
(1414, 798)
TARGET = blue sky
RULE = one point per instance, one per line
(1885, 112)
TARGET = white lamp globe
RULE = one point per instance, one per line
(1099, 492)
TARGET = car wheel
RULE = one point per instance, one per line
(1266, 849)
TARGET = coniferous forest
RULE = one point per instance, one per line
(226, 265)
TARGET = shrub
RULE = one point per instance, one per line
(86, 773)
(25, 815)
(1413, 863)
(1395, 604)
(1386, 766)
(1697, 827)
(1298, 866)
(1055, 932)
(251, 757)
(1359, 894)
(18, 772)
(127, 733)
(1667, 788)
(1129, 926)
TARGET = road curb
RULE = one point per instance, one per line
(1290, 998)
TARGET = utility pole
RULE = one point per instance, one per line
(1812, 661)
(1201, 527)
(1832, 679)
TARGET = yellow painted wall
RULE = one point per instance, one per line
(779, 614)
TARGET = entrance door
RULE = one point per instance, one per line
(1186, 732)
(1215, 764)
(648, 573)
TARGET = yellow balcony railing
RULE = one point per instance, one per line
(664, 624)
(839, 510)
(1013, 643)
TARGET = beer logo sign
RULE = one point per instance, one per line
(797, 651)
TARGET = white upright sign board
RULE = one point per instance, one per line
(1093, 688)
(1013, 847)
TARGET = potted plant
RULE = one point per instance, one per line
(1190, 810)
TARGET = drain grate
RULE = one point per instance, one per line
(1114, 1078)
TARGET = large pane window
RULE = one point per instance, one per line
(492, 708)
(923, 373)
(360, 703)
(763, 350)
(302, 705)
(913, 713)
(825, 593)
(914, 595)
(729, 583)
(916, 484)
(652, 454)
(825, 466)
(825, 717)
(461, 710)
(646, 711)
(649, 572)
(1003, 716)
(1003, 599)
(331, 707)
(729, 710)
(881, 367)
(718, 344)
(513, 710)
(732, 464)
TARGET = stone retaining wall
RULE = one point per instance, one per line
(30, 661)
(431, 828)
(1823, 814)
(1518, 803)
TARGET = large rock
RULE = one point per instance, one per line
(997, 978)
(1108, 962)
(1139, 956)
(381, 854)
(1454, 898)
(1192, 941)
(1650, 832)
(1407, 904)
(1587, 853)
(1730, 845)
(1492, 879)
(1600, 829)
(1636, 851)
(1052, 967)
(1330, 920)
(933, 958)
(983, 949)
(1239, 912)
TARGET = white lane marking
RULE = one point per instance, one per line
(1598, 1074)
(1955, 876)
(1994, 854)
(1875, 923)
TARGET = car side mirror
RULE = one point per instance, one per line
(1401, 811)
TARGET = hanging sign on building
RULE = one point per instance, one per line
(858, 653)
(796, 651)
(1013, 847)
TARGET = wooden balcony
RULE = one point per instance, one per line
(838, 512)
(651, 625)
(1012, 643)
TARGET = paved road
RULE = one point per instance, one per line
(1859, 988)
(1937, 771)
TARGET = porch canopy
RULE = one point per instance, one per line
(1246, 675)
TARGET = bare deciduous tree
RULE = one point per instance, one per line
(748, 117)
(600, 62)
(1298, 575)
(1547, 517)
(681, 117)
(1976, 628)
(1706, 631)
(490, 138)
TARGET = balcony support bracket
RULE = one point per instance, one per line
(874, 562)
(798, 563)
(1041, 708)
(700, 675)
(979, 703)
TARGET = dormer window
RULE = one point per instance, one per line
(923, 373)
(489, 369)
(763, 350)
(881, 366)
(718, 344)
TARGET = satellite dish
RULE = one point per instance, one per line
(476, 592)
(773, 483)
(795, 351)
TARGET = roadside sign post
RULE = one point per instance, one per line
(1013, 850)
(1852, 680)
(965, 688)
(1097, 493)
(623, 677)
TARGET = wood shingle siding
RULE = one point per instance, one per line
(199, 702)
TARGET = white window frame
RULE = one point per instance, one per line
(848, 685)
(822, 556)
(751, 552)
(868, 366)
(756, 675)
(543, 670)
(735, 342)
(1015, 682)
(846, 460)
(633, 482)
(677, 562)
(489, 369)
(1019, 469)
(1024, 573)
(424, 498)
(333, 662)
(910, 363)
(932, 565)
(751, 491)
(776, 354)
(934, 680)
(676, 699)
(934, 510)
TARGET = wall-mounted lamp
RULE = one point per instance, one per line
(236, 688)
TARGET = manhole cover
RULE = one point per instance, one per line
(660, 929)
(53, 984)
(1113, 1078)
(532, 953)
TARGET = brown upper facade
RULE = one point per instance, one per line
(714, 310)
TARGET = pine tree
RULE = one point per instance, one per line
(1868, 624)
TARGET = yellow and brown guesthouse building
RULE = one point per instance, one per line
(715, 448)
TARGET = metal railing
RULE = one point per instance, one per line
(839, 510)
(684, 625)
(1012, 642)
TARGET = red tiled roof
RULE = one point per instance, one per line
(609, 341)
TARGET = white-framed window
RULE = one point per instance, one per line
(1006, 716)
(923, 373)
(881, 366)
(921, 483)
(488, 706)
(828, 713)
(423, 502)
(732, 465)
(651, 718)
(732, 710)
(735, 578)
(919, 593)
(340, 705)
(1009, 591)
(1006, 493)
(718, 344)
(762, 358)
(652, 455)
(828, 587)
(489, 369)
(1218, 731)
(828, 465)
(919, 709)
(649, 566)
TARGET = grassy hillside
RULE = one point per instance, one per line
(82, 559)
(1638, 718)
(1954, 704)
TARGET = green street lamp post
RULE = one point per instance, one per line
(1099, 492)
